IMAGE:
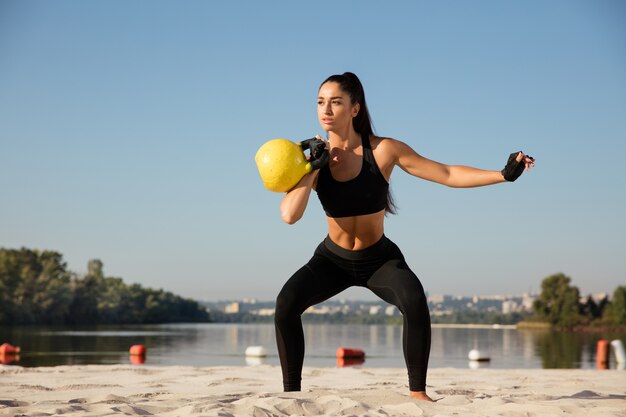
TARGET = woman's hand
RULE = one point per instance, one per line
(516, 164)
(318, 151)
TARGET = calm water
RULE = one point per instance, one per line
(225, 344)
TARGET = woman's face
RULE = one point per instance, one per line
(334, 108)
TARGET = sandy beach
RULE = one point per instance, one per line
(106, 390)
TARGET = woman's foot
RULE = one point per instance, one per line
(421, 395)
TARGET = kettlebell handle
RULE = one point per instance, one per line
(318, 156)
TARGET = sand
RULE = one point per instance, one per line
(107, 390)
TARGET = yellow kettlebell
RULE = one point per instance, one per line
(281, 163)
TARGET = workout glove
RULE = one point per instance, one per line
(513, 168)
(318, 156)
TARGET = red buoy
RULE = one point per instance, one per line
(6, 348)
(350, 353)
(138, 350)
(9, 354)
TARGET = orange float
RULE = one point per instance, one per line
(6, 348)
(9, 353)
(602, 357)
(137, 350)
(350, 353)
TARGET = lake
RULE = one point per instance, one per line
(225, 344)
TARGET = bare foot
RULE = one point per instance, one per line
(421, 395)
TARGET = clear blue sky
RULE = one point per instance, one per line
(128, 132)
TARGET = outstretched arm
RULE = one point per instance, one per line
(458, 176)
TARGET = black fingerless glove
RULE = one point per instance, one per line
(513, 168)
(318, 156)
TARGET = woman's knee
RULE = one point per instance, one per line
(412, 300)
(286, 306)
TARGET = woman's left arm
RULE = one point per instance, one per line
(457, 176)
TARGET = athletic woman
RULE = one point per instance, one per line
(353, 188)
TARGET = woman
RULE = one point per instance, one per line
(353, 188)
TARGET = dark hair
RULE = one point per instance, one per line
(362, 122)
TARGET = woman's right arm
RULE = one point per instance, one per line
(295, 201)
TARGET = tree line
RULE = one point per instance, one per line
(37, 288)
(561, 305)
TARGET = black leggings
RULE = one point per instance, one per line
(332, 269)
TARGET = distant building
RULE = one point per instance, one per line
(440, 313)
(527, 301)
(321, 309)
(264, 312)
(232, 308)
(439, 298)
(509, 306)
(374, 310)
(392, 311)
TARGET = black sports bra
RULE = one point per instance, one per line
(364, 194)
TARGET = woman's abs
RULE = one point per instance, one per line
(358, 232)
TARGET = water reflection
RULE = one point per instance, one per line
(478, 364)
(9, 358)
(560, 350)
(225, 344)
(573, 350)
(255, 361)
(345, 362)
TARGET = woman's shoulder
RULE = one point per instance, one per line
(386, 151)
(383, 141)
(385, 144)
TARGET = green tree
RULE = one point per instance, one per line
(84, 307)
(133, 304)
(87, 291)
(94, 268)
(589, 309)
(52, 296)
(34, 287)
(9, 281)
(111, 301)
(616, 310)
(558, 302)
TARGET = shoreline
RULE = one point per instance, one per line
(88, 390)
(473, 326)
